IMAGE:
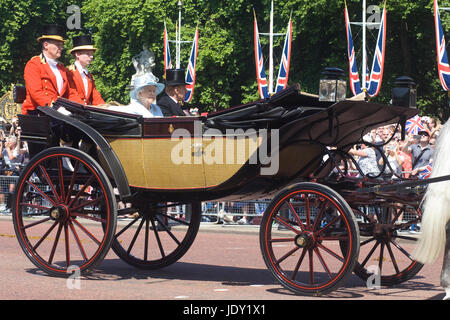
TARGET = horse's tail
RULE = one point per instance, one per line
(432, 238)
(436, 208)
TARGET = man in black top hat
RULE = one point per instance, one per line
(79, 77)
(171, 102)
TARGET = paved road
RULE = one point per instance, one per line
(224, 263)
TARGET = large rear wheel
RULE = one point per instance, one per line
(64, 211)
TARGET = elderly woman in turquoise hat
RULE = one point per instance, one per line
(143, 97)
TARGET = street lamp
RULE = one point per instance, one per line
(332, 87)
(404, 92)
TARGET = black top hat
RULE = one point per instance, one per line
(52, 31)
(175, 77)
(83, 42)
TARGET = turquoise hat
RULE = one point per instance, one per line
(145, 80)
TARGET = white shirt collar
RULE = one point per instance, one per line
(80, 68)
(51, 62)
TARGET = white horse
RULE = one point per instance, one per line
(434, 238)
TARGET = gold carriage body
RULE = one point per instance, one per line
(245, 152)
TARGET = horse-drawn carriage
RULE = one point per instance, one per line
(90, 168)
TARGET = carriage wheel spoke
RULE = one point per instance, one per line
(127, 226)
(35, 223)
(55, 244)
(319, 215)
(88, 203)
(49, 182)
(282, 240)
(366, 241)
(381, 257)
(146, 238)
(186, 223)
(66, 235)
(311, 267)
(42, 193)
(292, 209)
(307, 211)
(138, 230)
(158, 240)
(90, 235)
(72, 181)
(289, 253)
(370, 254)
(280, 220)
(322, 262)
(61, 179)
(81, 191)
(406, 253)
(394, 262)
(85, 216)
(329, 224)
(297, 267)
(167, 230)
(45, 234)
(77, 239)
(331, 252)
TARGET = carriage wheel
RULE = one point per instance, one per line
(158, 236)
(300, 235)
(386, 245)
(64, 211)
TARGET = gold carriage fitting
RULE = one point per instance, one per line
(291, 148)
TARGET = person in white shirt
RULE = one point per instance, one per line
(143, 98)
(79, 77)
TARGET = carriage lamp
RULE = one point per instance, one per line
(404, 92)
(332, 87)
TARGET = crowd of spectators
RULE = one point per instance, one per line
(406, 158)
(13, 151)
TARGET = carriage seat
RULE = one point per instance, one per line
(279, 109)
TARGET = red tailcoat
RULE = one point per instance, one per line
(93, 97)
(41, 84)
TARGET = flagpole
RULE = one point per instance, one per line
(364, 63)
(178, 36)
(271, 51)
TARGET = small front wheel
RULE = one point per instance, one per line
(300, 238)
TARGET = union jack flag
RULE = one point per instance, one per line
(414, 125)
(259, 60)
(283, 72)
(376, 75)
(355, 84)
(190, 75)
(425, 173)
(167, 60)
(442, 59)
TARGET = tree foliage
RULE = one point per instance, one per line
(225, 67)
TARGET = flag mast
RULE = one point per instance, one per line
(364, 62)
(271, 51)
(178, 35)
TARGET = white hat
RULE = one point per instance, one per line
(145, 80)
